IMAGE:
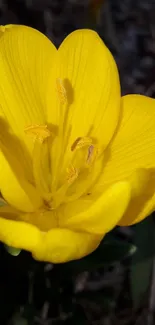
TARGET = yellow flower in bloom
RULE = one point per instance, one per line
(75, 158)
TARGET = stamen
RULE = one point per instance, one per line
(61, 91)
(59, 141)
(60, 195)
(41, 169)
(92, 154)
(81, 142)
(38, 131)
(72, 174)
(40, 158)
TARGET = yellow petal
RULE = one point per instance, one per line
(103, 214)
(26, 56)
(133, 146)
(62, 245)
(92, 87)
(143, 197)
(18, 192)
(19, 234)
(15, 178)
(43, 220)
(9, 212)
(91, 71)
(56, 246)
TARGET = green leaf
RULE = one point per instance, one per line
(141, 264)
(12, 251)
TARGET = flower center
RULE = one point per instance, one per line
(72, 182)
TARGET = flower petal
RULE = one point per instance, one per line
(92, 86)
(43, 220)
(56, 246)
(132, 149)
(103, 214)
(133, 146)
(62, 245)
(143, 197)
(15, 175)
(26, 57)
(19, 234)
(91, 70)
(8, 212)
(18, 192)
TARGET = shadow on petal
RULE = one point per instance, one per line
(14, 151)
(142, 204)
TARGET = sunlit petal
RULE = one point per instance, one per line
(26, 57)
(90, 77)
(62, 245)
(134, 143)
(103, 214)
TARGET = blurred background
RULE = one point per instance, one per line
(116, 284)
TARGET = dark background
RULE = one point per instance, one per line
(96, 290)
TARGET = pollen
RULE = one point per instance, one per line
(81, 142)
(72, 174)
(61, 90)
(38, 132)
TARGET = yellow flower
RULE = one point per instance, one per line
(75, 159)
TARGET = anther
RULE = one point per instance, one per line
(81, 142)
(91, 155)
(39, 132)
(72, 174)
(61, 91)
